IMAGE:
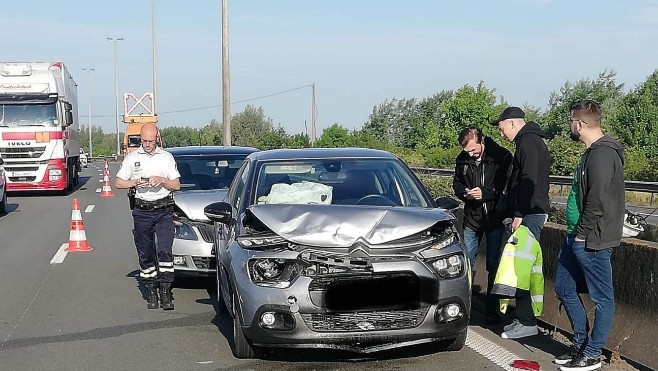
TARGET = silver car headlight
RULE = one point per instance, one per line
(184, 231)
(445, 241)
(450, 266)
(276, 273)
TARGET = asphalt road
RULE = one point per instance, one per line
(87, 313)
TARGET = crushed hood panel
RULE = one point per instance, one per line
(342, 226)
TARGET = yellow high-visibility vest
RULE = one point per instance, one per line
(520, 268)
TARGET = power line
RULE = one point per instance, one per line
(219, 105)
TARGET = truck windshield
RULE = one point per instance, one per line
(17, 115)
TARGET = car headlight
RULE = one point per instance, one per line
(184, 231)
(450, 266)
(251, 242)
(445, 241)
(277, 273)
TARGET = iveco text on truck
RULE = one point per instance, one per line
(39, 137)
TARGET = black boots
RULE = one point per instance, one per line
(165, 296)
(152, 295)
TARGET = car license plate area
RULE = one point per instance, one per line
(376, 291)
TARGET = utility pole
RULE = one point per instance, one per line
(89, 70)
(314, 134)
(226, 77)
(155, 75)
(116, 89)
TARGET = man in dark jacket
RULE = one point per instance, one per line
(480, 177)
(594, 216)
(527, 197)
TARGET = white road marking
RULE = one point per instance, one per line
(490, 350)
(98, 190)
(100, 180)
(90, 208)
(60, 254)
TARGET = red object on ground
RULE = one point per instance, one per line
(523, 364)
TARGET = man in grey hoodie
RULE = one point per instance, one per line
(594, 214)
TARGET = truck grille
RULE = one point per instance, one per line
(22, 168)
(365, 321)
(22, 152)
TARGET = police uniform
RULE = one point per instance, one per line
(153, 215)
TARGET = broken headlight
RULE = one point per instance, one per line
(250, 242)
(445, 240)
(269, 272)
(450, 266)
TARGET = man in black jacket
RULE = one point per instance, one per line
(527, 197)
(594, 215)
(480, 177)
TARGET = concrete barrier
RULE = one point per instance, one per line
(635, 276)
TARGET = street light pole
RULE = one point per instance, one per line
(116, 89)
(226, 77)
(89, 70)
(155, 75)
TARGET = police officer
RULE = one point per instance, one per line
(152, 172)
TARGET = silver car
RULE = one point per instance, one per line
(206, 173)
(339, 249)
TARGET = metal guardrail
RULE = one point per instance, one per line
(631, 185)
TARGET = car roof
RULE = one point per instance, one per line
(320, 153)
(210, 150)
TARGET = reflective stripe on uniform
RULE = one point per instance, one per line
(537, 269)
(520, 254)
(537, 298)
(163, 270)
(148, 275)
(166, 264)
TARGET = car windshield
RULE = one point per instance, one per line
(207, 171)
(18, 115)
(381, 182)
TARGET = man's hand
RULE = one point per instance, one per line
(141, 183)
(516, 223)
(475, 193)
(155, 181)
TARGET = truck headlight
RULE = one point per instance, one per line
(450, 266)
(269, 272)
(54, 174)
(184, 231)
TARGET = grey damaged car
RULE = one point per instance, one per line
(340, 249)
(206, 173)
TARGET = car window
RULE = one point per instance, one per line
(381, 182)
(207, 171)
(237, 187)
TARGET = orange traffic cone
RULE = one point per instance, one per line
(107, 169)
(107, 189)
(77, 236)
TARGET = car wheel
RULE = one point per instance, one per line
(242, 348)
(456, 344)
(3, 203)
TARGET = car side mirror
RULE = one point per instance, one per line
(68, 114)
(220, 212)
(447, 203)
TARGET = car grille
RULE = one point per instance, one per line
(204, 262)
(365, 321)
(207, 232)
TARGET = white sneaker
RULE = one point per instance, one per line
(511, 325)
(520, 331)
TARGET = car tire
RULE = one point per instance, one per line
(3, 204)
(242, 347)
(456, 344)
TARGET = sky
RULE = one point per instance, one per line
(358, 53)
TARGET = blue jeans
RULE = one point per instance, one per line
(494, 241)
(535, 222)
(575, 265)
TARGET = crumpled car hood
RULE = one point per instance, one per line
(342, 226)
(193, 202)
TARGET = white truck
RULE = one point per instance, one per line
(39, 133)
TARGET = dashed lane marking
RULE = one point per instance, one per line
(98, 190)
(490, 350)
(90, 208)
(60, 255)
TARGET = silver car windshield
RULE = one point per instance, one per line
(20, 115)
(207, 171)
(380, 182)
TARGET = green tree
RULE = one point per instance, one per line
(334, 136)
